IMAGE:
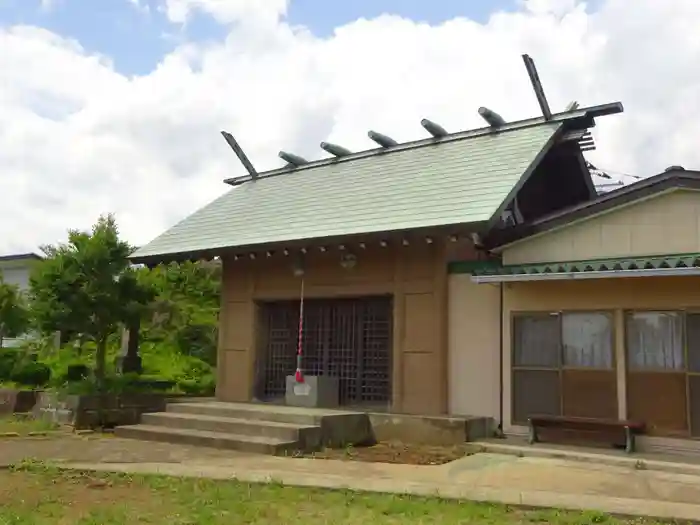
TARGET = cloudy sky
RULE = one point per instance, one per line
(116, 105)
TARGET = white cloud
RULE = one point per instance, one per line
(78, 138)
(227, 11)
(141, 6)
(48, 5)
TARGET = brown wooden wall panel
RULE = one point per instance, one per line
(325, 269)
(590, 393)
(415, 276)
(234, 376)
(535, 392)
(692, 336)
(238, 326)
(235, 284)
(418, 262)
(694, 404)
(421, 376)
(658, 399)
(420, 324)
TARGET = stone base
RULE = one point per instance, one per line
(430, 430)
(17, 401)
(314, 392)
(83, 412)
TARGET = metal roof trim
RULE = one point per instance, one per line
(652, 262)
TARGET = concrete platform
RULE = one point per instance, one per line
(668, 462)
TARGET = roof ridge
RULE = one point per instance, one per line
(557, 118)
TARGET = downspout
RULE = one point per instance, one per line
(499, 428)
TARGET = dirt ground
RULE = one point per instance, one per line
(100, 448)
(401, 453)
(105, 448)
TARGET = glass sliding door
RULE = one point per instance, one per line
(563, 364)
(656, 371)
(536, 358)
(589, 380)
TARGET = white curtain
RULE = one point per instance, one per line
(655, 341)
(537, 341)
(587, 340)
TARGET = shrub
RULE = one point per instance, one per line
(31, 373)
(203, 385)
(76, 372)
(9, 358)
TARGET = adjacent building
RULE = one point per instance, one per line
(15, 270)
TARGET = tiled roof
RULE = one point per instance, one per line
(457, 180)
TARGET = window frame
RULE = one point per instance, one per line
(609, 314)
(628, 313)
(514, 368)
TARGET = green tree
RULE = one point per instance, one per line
(87, 286)
(14, 316)
(186, 306)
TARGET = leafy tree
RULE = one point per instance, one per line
(14, 316)
(185, 310)
(87, 286)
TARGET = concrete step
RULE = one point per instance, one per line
(308, 436)
(250, 411)
(205, 438)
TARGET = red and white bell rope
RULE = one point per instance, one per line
(299, 375)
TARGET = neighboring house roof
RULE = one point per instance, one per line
(463, 178)
(20, 257)
(675, 177)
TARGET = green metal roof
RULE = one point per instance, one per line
(456, 181)
(600, 265)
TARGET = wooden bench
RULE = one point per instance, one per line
(612, 431)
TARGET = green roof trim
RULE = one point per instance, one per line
(653, 262)
(473, 267)
(457, 181)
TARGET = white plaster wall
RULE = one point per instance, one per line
(17, 275)
(473, 347)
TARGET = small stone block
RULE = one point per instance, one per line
(38, 433)
(9, 434)
(315, 391)
(84, 432)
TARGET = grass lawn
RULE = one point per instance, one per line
(39, 495)
(23, 425)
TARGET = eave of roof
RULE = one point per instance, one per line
(625, 195)
(393, 236)
(21, 257)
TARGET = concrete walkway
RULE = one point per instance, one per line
(494, 477)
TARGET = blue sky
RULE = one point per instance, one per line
(136, 42)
